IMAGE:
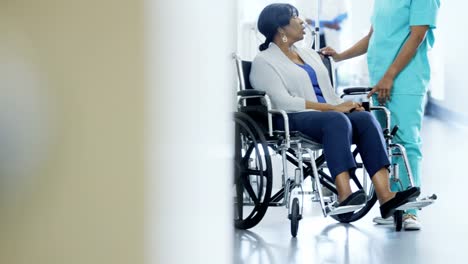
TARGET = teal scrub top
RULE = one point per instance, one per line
(391, 21)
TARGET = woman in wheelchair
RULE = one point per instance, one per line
(297, 81)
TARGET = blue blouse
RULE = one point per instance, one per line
(313, 79)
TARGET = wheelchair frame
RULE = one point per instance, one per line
(293, 146)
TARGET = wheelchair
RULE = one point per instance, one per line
(256, 141)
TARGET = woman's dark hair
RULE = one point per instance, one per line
(271, 18)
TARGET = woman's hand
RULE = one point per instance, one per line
(331, 52)
(383, 89)
(348, 107)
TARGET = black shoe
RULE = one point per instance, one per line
(356, 198)
(387, 209)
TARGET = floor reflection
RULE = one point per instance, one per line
(252, 247)
(333, 243)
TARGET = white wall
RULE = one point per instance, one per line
(190, 85)
(451, 37)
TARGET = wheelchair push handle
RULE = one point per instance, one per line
(394, 131)
(323, 54)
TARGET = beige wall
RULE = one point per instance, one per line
(84, 202)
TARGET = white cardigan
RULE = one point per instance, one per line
(287, 84)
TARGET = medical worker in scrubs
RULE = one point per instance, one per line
(332, 14)
(397, 43)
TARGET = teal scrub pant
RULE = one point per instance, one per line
(407, 112)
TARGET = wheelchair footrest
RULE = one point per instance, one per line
(326, 199)
(333, 210)
(418, 203)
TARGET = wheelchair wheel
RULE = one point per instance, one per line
(295, 217)
(252, 173)
(398, 220)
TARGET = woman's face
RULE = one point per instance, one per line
(295, 31)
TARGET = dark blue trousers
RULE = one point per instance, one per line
(336, 132)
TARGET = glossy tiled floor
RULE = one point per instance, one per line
(323, 240)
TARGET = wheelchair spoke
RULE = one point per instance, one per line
(254, 172)
(246, 157)
(250, 190)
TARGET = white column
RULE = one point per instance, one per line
(190, 83)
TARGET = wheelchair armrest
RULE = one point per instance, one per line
(286, 124)
(251, 92)
(355, 91)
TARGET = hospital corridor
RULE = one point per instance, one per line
(233, 132)
(326, 241)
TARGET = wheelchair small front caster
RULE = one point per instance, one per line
(295, 217)
(398, 220)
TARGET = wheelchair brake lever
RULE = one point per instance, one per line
(385, 132)
(394, 130)
(280, 141)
